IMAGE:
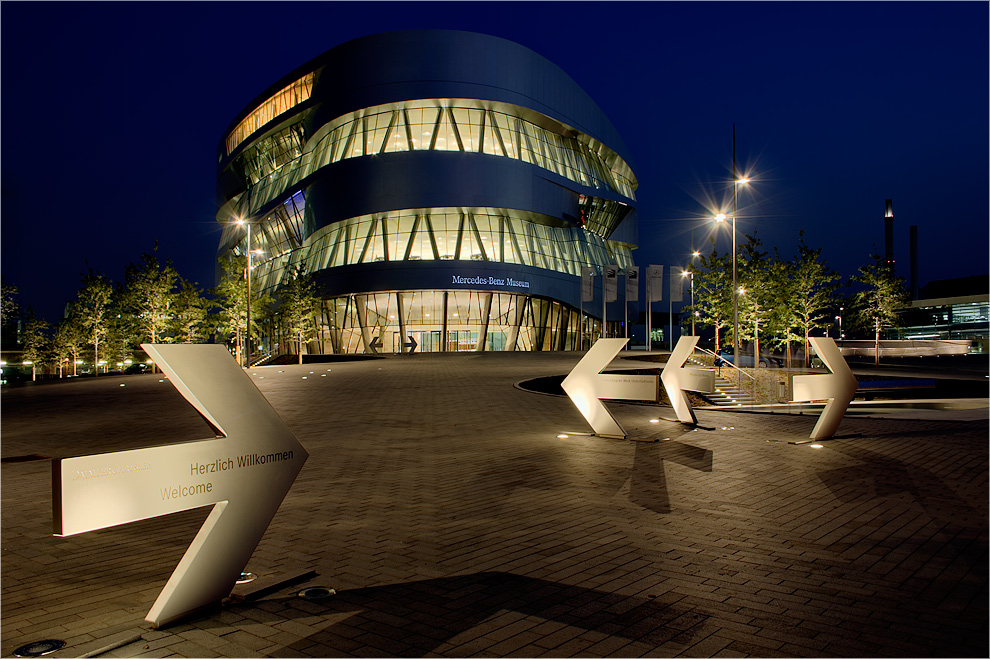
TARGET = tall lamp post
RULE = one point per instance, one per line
(247, 329)
(688, 273)
(694, 255)
(735, 279)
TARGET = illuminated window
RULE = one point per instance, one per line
(275, 164)
(280, 103)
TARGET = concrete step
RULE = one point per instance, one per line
(726, 393)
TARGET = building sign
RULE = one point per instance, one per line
(244, 474)
(489, 281)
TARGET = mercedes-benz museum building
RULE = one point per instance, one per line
(445, 189)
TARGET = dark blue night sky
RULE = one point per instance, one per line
(111, 114)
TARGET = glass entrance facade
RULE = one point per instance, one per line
(451, 321)
(443, 202)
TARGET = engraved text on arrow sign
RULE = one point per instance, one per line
(244, 475)
(586, 384)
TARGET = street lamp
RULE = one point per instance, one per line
(735, 298)
(694, 313)
(247, 331)
(721, 217)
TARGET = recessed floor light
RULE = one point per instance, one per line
(316, 593)
(39, 648)
(246, 577)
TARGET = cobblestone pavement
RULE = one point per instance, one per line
(441, 505)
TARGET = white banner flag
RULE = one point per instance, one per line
(676, 288)
(654, 282)
(587, 284)
(632, 283)
(611, 283)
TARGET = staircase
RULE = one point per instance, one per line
(726, 394)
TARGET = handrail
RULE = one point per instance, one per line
(725, 362)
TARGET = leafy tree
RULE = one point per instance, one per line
(876, 306)
(189, 314)
(36, 343)
(148, 294)
(759, 293)
(783, 317)
(230, 303)
(68, 342)
(298, 308)
(713, 291)
(814, 291)
(93, 309)
(8, 305)
(123, 336)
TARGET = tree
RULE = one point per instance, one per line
(230, 303)
(189, 314)
(299, 303)
(148, 294)
(121, 341)
(759, 292)
(8, 305)
(93, 307)
(876, 307)
(713, 291)
(36, 343)
(783, 317)
(814, 291)
(68, 341)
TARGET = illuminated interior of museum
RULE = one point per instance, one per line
(452, 214)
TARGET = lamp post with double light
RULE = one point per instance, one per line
(721, 217)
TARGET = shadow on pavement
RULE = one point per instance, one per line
(447, 607)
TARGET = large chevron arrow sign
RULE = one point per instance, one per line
(244, 475)
(586, 384)
(836, 388)
(677, 379)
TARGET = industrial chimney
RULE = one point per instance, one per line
(888, 233)
(914, 262)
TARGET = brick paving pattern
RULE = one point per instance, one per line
(440, 504)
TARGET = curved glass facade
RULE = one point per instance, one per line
(280, 162)
(530, 200)
(278, 104)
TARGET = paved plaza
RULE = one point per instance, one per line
(440, 503)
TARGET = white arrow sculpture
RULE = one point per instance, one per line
(586, 384)
(244, 475)
(837, 388)
(677, 379)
